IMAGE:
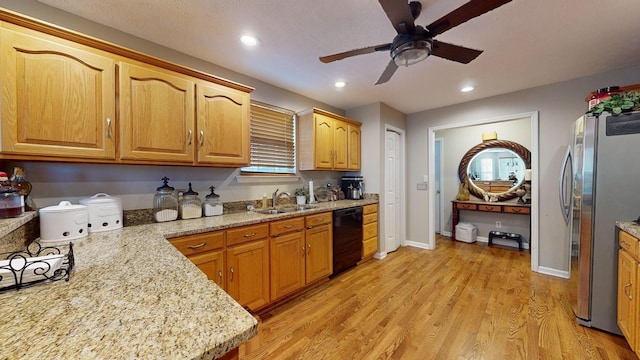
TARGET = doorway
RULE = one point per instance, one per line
(438, 184)
(533, 120)
(393, 190)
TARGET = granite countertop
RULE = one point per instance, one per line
(133, 295)
(629, 226)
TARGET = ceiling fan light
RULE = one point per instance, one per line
(411, 52)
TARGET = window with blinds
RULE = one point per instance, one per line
(273, 141)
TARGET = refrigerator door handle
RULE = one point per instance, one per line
(566, 182)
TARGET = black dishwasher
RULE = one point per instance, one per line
(347, 238)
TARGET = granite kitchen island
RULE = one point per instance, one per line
(132, 294)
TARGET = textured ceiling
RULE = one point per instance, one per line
(526, 43)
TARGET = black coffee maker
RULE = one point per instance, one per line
(352, 187)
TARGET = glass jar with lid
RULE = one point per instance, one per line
(190, 205)
(212, 203)
(165, 203)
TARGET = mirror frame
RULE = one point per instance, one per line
(463, 173)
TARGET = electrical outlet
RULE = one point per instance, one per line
(498, 224)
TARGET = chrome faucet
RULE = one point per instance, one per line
(275, 197)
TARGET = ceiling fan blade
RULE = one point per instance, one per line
(454, 52)
(399, 12)
(387, 73)
(346, 54)
(464, 13)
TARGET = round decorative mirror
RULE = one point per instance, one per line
(495, 168)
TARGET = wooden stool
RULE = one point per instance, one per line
(507, 236)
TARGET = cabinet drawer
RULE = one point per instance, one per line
(461, 206)
(198, 243)
(369, 218)
(286, 226)
(494, 208)
(628, 243)
(517, 209)
(318, 219)
(247, 233)
(369, 209)
(369, 246)
(370, 230)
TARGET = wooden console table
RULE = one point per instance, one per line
(499, 207)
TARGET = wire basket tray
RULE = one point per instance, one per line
(34, 265)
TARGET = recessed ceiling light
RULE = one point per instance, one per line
(340, 84)
(249, 40)
(467, 89)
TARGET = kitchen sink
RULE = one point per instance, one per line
(286, 209)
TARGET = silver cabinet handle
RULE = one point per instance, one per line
(193, 247)
(249, 235)
(626, 287)
(231, 270)
(201, 138)
(303, 250)
(190, 137)
(220, 276)
(108, 128)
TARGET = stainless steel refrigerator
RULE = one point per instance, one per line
(606, 188)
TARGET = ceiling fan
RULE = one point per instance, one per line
(415, 43)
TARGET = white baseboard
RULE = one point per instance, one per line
(554, 272)
(380, 255)
(416, 244)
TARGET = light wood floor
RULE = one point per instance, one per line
(461, 301)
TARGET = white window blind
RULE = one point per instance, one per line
(273, 142)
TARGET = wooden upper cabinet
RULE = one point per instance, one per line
(156, 114)
(341, 145)
(223, 125)
(327, 141)
(57, 99)
(323, 139)
(354, 147)
(69, 97)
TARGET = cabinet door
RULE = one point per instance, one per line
(156, 114)
(248, 273)
(212, 264)
(223, 125)
(287, 264)
(354, 147)
(341, 145)
(626, 297)
(323, 142)
(319, 259)
(58, 99)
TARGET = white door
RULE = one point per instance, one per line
(437, 181)
(392, 203)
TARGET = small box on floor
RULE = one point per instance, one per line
(466, 232)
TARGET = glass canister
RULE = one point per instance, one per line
(165, 203)
(190, 205)
(212, 203)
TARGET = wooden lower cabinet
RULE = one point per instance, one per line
(319, 254)
(369, 230)
(298, 257)
(259, 264)
(287, 264)
(248, 273)
(212, 264)
(628, 290)
(206, 251)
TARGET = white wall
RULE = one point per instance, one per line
(558, 105)
(374, 118)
